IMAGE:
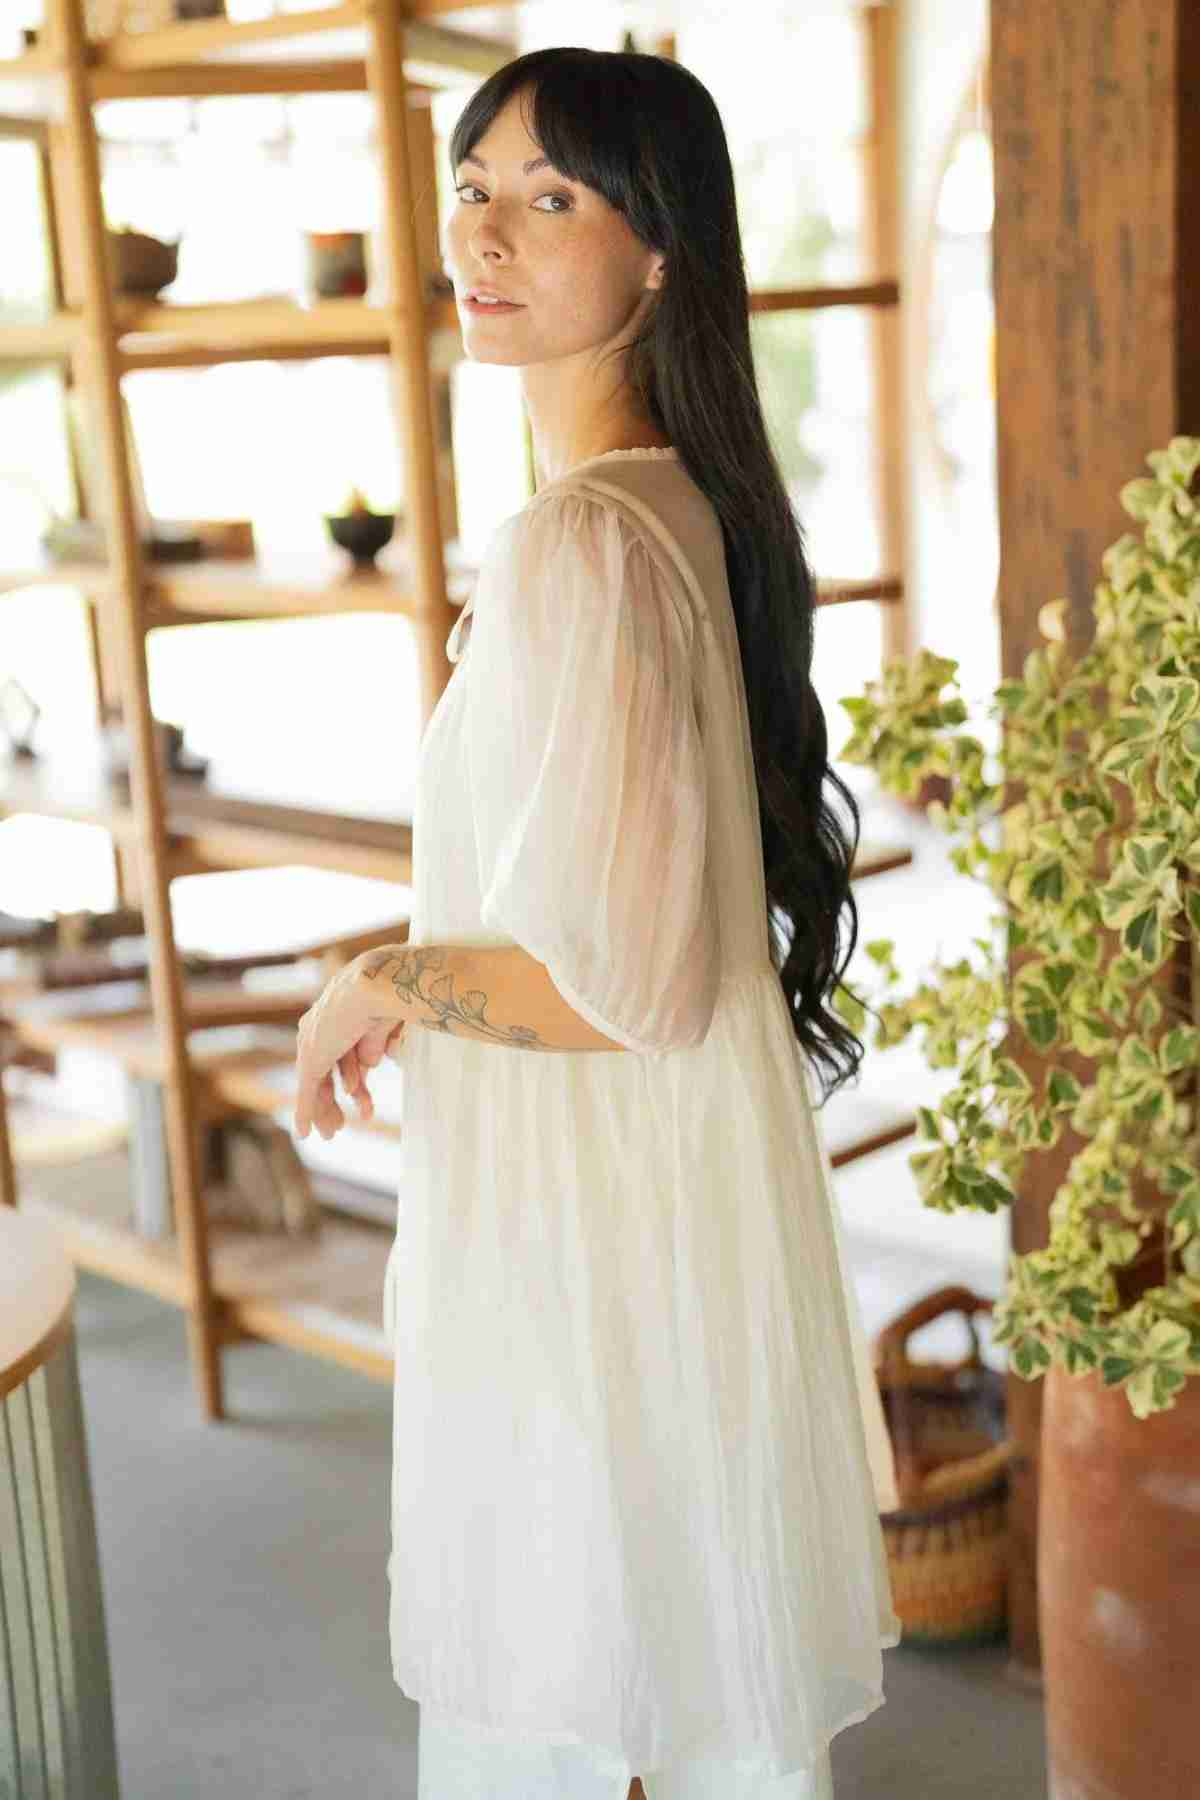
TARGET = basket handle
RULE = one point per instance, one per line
(891, 1343)
(970, 1474)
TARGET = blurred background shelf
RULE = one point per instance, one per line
(211, 827)
(320, 1295)
(275, 799)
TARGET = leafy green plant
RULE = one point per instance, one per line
(1086, 826)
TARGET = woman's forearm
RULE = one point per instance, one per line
(497, 995)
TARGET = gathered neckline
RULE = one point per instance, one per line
(638, 450)
(665, 451)
(650, 450)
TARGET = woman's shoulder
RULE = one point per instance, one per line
(664, 511)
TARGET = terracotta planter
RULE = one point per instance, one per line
(1119, 1592)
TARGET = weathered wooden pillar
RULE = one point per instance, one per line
(1096, 123)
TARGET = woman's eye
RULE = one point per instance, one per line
(469, 187)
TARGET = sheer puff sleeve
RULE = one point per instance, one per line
(587, 775)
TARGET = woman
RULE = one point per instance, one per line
(638, 1450)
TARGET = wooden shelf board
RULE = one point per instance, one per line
(115, 1020)
(319, 1330)
(285, 583)
(28, 85)
(210, 1002)
(165, 334)
(206, 77)
(26, 340)
(262, 1081)
(291, 913)
(887, 1127)
(434, 59)
(66, 787)
(217, 846)
(41, 1133)
(277, 583)
(834, 592)
(328, 33)
(38, 61)
(808, 299)
(294, 912)
(28, 566)
(217, 827)
(273, 319)
(878, 859)
(321, 1294)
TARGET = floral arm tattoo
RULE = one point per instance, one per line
(425, 974)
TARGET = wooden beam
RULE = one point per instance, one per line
(1097, 267)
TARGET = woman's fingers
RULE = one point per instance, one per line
(373, 1045)
(354, 1078)
(383, 1041)
(329, 1115)
(352, 1067)
(348, 1068)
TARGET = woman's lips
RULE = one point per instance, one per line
(491, 306)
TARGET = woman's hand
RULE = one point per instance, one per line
(339, 1031)
(384, 1040)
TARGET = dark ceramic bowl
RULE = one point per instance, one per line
(363, 534)
(142, 264)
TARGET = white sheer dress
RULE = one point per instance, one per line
(639, 1453)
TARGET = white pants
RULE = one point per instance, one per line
(455, 1762)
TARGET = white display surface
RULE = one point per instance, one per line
(37, 1280)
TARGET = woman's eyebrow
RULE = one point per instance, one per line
(535, 162)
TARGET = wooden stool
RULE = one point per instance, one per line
(56, 1717)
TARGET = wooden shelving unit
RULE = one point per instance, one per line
(320, 1295)
(323, 1295)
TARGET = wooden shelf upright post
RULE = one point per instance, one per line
(882, 245)
(408, 306)
(127, 632)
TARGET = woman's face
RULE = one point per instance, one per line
(576, 269)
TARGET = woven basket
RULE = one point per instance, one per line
(947, 1542)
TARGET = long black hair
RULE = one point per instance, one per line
(646, 134)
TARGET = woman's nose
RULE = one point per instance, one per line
(485, 234)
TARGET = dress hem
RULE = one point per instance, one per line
(640, 1766)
